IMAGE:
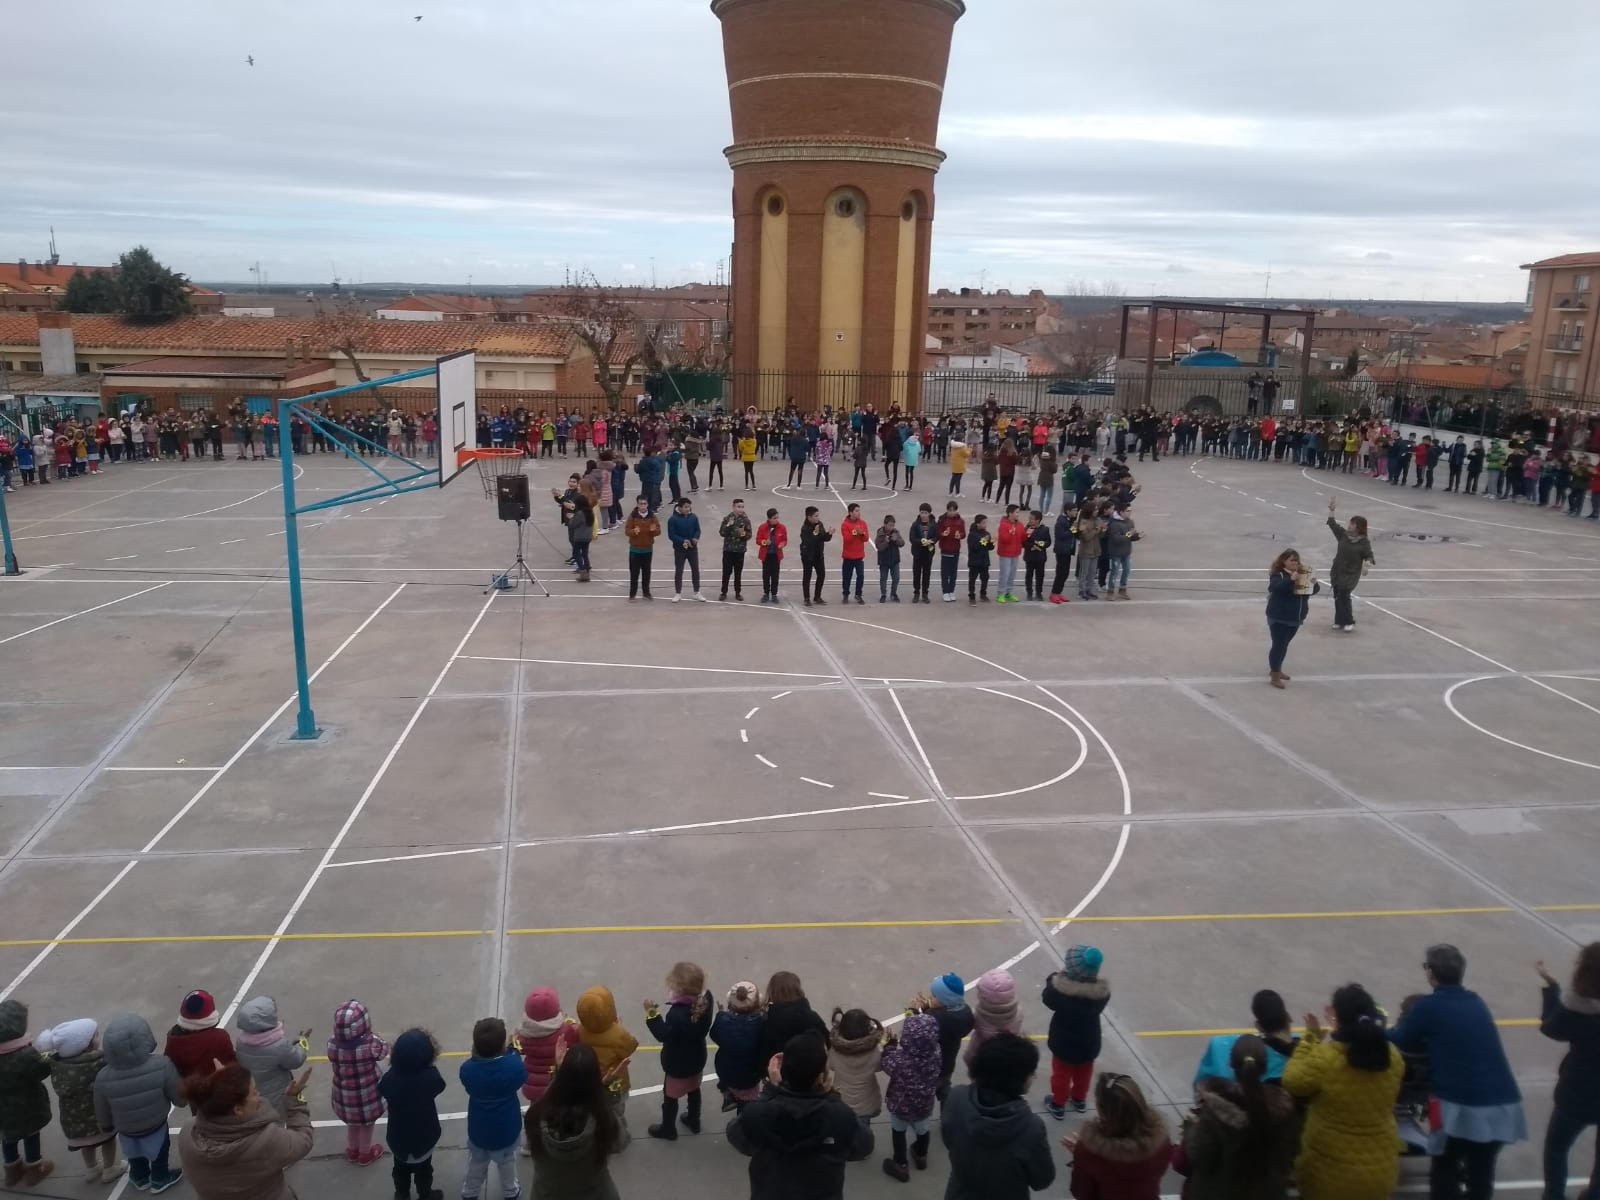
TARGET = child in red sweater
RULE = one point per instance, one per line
(195, 1045)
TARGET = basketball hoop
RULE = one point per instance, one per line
(491, 462)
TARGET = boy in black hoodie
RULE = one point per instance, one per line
(998, 1148)
(1035, 549)
(411, 1086)
(1066, 541)
(800, 1134)
(979, 542)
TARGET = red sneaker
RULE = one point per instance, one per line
(373, 1154)
(1058, 599)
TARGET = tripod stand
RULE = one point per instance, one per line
(516, 573)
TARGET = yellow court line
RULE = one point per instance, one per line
(1565, 908)
(760, 926)
(1288, 916)
(244, 937)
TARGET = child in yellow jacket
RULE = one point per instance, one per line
(612, 1044)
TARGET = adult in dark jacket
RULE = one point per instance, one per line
(1575, 1019)
(411, 1087)
(998, 1148)
(1479, 1104)
(799, 1135)
(1349, 560)
(1289, 591)
(789, 1014)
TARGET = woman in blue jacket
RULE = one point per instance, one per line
(1289, 591)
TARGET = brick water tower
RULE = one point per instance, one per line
(835, 117)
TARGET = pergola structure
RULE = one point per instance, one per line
(1306, 318)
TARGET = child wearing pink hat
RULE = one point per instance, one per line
(996, 1011)
(545, 1029)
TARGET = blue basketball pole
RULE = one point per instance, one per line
(11, 567)
(305, 727)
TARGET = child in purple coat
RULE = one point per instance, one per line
(354, 1053)
(912, 1065)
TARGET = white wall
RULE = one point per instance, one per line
(408, 314)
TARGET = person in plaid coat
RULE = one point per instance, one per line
(354, 1053)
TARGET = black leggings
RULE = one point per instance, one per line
(732, 568)
(770, 566)
(921, 571)
(910, 474)
(1003, 493)
(1464, 1169)
(714, 474)
(859, 477)
(1282, 635)
(405, 1172)
(750, 475)
(807, 570)
(639, 572)
(797, 474)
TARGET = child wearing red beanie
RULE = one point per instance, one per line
(545, 1029)
(194, 1044)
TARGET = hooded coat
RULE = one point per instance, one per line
(195, 1051)
(798, 1144)
(354, 1053)
(137, 1087)
(244, 1158)
(604, 1034)
(265, 1051)
(566, 1167)
(1221, 1158)
(1354, 549)
(998, 1147)
(24, 1103)
(996, 1011)
(1349, 1148)
(1121, 1168)
(539, 1038)
(855, 1064)
(1575, 1020)
(913, 1069)
(1075, 1007)
(411, 1087)
(738, 1037)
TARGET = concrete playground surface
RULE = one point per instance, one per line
(515, 791)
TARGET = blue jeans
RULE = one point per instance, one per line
(857, 568)
(1559, 1137)
(1008, 576)
(478, 1160)
(1117, 576)
(1047, 493)
(948, 564)
(888, 579)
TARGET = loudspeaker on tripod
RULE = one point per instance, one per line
(511, 493)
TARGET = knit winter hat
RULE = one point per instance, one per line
(949, 990)
(744, 997)
(997, 990)
(13, 1020)
(198, 1011)
(1082, 963)
(542, 1004)
(68, 1039)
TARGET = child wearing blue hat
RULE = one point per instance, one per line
(946, 1003)
(1075, 996)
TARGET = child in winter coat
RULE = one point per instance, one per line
(133, 1094)
(492, 1076)
(24, 1103)
(737, 1033)
(265, 1050)
(855, 1048)
(544, 1030)
(74, 1054)
(354, 1053)
(997, 1011)
(946, 1003)
(195, 1044)
(682, 1031)
(411, 1088)
(613, 1045)
(1124, 1150)
(1075, 996)
(912, 1065)
(788, 1013)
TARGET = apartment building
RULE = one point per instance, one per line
(1561, 302)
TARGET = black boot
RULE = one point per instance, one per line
(423, 1178)
(691, 1118)
(896, 1167)
(667, 1131)
(919, 1152)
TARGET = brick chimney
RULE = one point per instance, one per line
(57, 346)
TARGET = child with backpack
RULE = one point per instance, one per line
(682, 1031)
(354, 1053)
(1075, 996)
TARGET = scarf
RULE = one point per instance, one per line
(265, 1038)
(15, 1044)
(541, 1029)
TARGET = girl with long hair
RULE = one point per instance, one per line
(1289, 591)
(573, 1132)
(1239, 1143)
(1123, 1150)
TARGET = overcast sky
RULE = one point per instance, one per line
(1403, 148)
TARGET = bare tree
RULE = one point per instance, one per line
(340, 326)
(608, 329)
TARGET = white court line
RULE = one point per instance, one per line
(82, 613)
(155, 520)
(784, 816)
(1435, 633)
(179, 550)
(1275, 504)
(121, 557)
(372, 862)
(172, 768)
(817, 782)
(568, 662)
(1582, 537)
(752, 712)
(768, 761)
(354, 815)
(66, 930)
(1449, 702)
(744, 736)
(1514, 550)
(890, 796)
(231, 542)
(781, 695)
(1302, 512)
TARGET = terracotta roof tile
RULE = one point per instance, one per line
(1583, 258)
(42, 277)
(1442, 375)
(271, 335)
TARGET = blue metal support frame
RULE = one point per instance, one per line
(11, 567)
(305, 718)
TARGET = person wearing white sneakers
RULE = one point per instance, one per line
(683, 531)
(952, 531)
(1350, 562)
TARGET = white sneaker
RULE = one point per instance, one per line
(949, 597)
(700, 596)
(676, 596)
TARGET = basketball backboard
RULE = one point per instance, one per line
(458, 410)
